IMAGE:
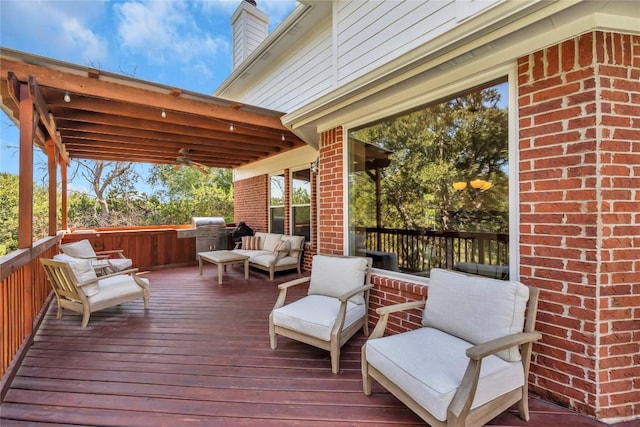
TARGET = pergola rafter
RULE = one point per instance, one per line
(119, 118)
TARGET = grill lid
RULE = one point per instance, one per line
(199, 221)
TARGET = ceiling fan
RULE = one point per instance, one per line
(183, 159)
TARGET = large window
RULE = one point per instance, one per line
(276, 204)
(429, 188)
(301, 203)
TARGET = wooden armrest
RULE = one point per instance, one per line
(356, 291)
(119, 273)
(294, 282)
(494, 346)
(384, 313)
(106, 254)
(286, 285)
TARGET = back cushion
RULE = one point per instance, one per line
(251, 243)
(270, 241)
(476, 309)
(83, 270)
(296, 242)
(79, 249)
(334, 276)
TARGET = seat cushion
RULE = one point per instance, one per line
(429, 364)
(79, 249)
(315, 315)
(334, 276)
(84, 272)
(476, 309)
(117, 289)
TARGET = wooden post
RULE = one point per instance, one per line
(63, 191)
(53, 186)
(25, 197)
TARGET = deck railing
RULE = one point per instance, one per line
(421, 250)
(23, 293)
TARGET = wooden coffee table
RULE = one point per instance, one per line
(223, 258)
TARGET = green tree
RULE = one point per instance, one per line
(9, 212)
(185, 192)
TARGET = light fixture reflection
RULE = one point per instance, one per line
(67, 97)
(231, 128)
(163, 114)
(477, 184)
(459, 186)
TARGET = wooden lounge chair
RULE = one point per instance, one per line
(470, 360)
(335, 308)
(78, 289)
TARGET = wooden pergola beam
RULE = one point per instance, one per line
(79, 85)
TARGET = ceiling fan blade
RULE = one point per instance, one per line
(199, 167)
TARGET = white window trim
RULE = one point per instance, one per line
(440, 88)
(279, 173)
(291, 204)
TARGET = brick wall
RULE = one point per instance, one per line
(331, 197)
(579, 147)
(251, 202)
(331, 222)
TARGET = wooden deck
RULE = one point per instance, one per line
(200, 357)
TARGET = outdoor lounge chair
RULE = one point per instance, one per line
(335, 308)
(102, 261)
(470, 360)
(78, 289)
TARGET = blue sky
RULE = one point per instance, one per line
(185, 44)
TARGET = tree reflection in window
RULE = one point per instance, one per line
(402, 199)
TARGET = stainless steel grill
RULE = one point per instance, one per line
(211, 233)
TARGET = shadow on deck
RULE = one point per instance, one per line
(201, 356)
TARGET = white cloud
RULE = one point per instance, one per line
(165, 31)
(59, 29)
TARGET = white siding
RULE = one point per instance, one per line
(373, 33)
(306, 73)
(249, 29)
(366, 34)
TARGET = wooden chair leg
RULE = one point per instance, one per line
(523, 405)
(273, 339)
(366, 379)
(335, 357)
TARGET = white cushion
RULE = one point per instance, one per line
(334, 276)
(79, 249)
(263, 258)
(117, 287)
(270, 241)
(429, 364)
(282, 248)
(83, 270)
(120, 264)
(296, 242)
(315, 315)
(263, 237)
(476, 309)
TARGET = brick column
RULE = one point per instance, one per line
(331, 196)
(579, 147)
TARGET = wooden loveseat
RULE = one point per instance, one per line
(272, 252)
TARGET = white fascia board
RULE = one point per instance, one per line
(298, 158)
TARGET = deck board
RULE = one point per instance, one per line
(201, 357)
